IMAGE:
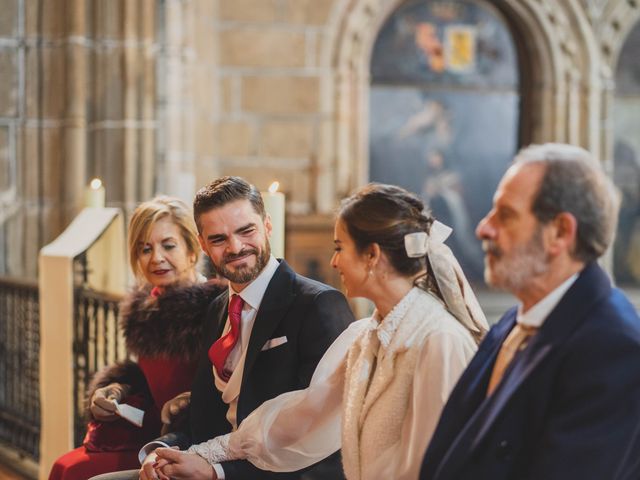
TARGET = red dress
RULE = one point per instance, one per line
(166, 334)
(167, 378)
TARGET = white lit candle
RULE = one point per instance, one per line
(274, 205)
(95, 194)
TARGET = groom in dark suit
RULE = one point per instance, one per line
(554, 389)
(268, 331)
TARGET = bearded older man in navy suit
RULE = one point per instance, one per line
(554, 390)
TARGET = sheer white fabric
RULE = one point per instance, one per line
(419, 338)
(295, 429)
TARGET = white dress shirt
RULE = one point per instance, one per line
(537, 314)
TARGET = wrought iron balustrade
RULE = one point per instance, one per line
(20, 366)
(97, 342)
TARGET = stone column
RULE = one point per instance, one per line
(187, 98)
(122, 123)
(77, 100)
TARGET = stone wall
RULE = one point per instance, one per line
(77, 100)
(162, 96)
(269, 82)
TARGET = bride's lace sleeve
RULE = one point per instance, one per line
(296, 429)
(213, 451)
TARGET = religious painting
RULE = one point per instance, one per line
(444, 111)
(626, 162)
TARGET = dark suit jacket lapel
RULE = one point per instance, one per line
(474, 384)
(515, 375)
(275, 303)
(221, 310)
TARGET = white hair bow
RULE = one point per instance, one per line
(419, 244)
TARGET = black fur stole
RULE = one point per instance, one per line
(172, 325)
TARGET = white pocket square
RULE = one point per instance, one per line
(274, 342)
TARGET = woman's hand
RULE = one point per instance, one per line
(178, 465)
(173, 411)
(172, 408)
(147, 471)
(102, 405)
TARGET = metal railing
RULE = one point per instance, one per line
(97, 341)
(20, 366)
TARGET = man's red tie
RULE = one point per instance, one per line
(222, 347)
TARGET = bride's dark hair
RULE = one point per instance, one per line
(384, 214)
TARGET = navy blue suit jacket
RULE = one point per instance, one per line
(568, 406)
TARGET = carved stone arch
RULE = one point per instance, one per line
(593, 82)
(541, 66)
(559, 61)
(560, 71)
(352, 29)
(585, 103)
(613, 28)
(611, 22)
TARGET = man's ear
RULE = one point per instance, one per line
(202, 244)
(563, 232)
(268, 227)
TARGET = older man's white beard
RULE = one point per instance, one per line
(514, 271)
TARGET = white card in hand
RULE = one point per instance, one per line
(129, 413)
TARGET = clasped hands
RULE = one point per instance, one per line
(172, 464)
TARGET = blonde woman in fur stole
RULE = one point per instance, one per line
(164, 321)
(378, 391)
